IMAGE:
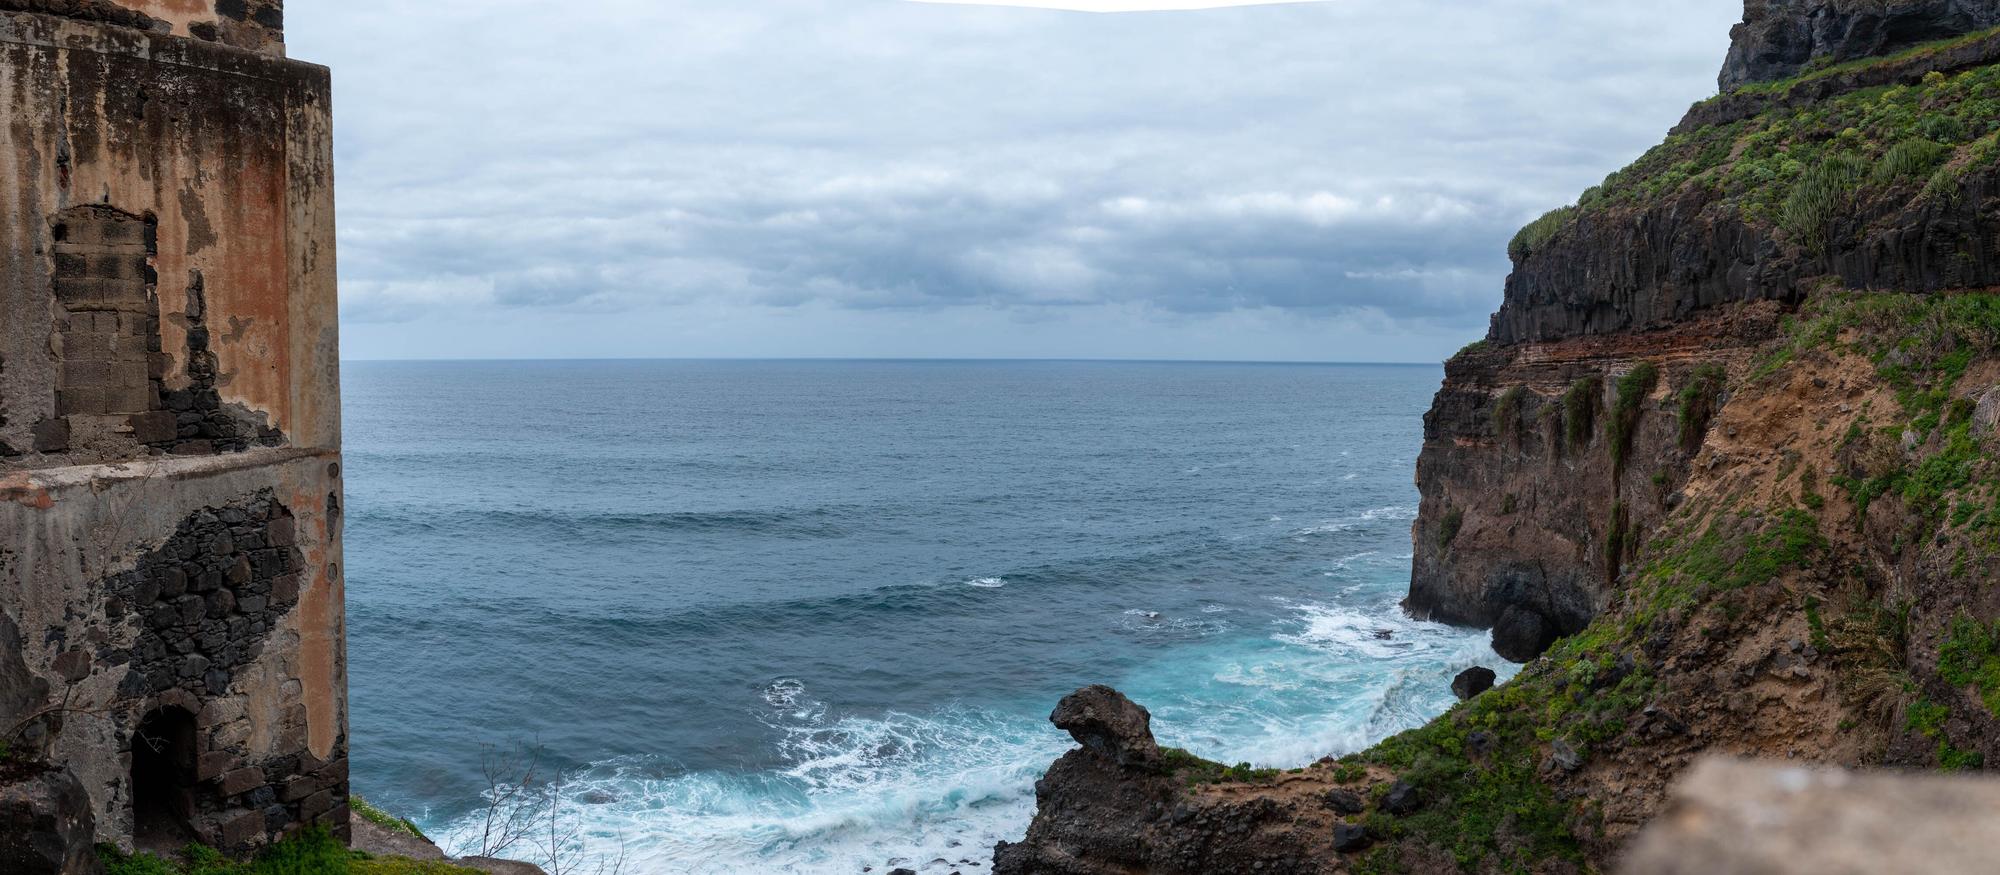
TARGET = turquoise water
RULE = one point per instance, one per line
(812, 616)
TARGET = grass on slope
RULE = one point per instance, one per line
(1801, 169)
(310, 853)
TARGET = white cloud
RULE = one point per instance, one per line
(1120, 5)
(697, 178)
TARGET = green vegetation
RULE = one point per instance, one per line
(1615, 539)
(1539, 232)
(1633, 389)
(1915, 158)
(1824, 192)
(310, 853)
(1490, 809)
(1698, 403)
(1474, 348)
(1507, 411)
(1922, 347)
(1927, 718)
(1197, 771)
(384, 819)
(1970, 657)
(1799, 167)
(1454, 520)
(1579, 407)
(1824, 68)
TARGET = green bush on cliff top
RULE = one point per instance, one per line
(1795, 166)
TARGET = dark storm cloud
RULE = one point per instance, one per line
(1345, 159)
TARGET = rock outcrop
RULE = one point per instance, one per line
(1782, 38)
(1724, 474)
(48, 822)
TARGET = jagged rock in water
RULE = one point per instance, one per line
(46, 826)
(1781, 38)
(1103, 720)
(1472, 681)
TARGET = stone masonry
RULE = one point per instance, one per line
(172, 629)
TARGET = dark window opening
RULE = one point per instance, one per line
(163, 779)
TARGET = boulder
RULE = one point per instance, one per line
(1522, 634)
(1403, 798)
(1350, 837)
(1105, 722)
(1562, 758)
(1472, 681)
(1344, 802)
(46, 826)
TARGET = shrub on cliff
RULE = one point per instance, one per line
(1633, 390)
(1539, 232)
(1821, 195)
(1909, 159)
(1507, 411)
(1579, 407)
(1698, 404)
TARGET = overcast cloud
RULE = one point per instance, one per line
(1310, 181)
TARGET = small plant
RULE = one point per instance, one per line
(1507, 411)
(384, 819)
(1819, 197)
(1449, 527)
(1910, 159)
(1615, 539)
(1539, 232)
(1580, 405)
(1633, 389)
(1698, 404)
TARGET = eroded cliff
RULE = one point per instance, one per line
(1727, 470)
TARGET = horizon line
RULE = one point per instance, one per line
(909, 359)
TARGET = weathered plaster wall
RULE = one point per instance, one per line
(230, 154)
(255, 25)
(170, 416)
(81, 580)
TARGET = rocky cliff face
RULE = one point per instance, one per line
(1781, 38)
(1727, 470)
(1545, 467)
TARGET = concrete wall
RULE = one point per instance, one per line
(170, 416)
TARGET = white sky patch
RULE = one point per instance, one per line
(1120, 5)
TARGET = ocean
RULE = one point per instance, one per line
(812, 616)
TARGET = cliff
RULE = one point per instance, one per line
(1723, 472)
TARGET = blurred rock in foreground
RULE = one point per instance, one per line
(1732, 817)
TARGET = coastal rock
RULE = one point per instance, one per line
(1345, 802)
(1403, 798)
(1349, 838)
(1782, 38)
(1472, 681)
(1105, 722)
(1522, 634)
(46, 826)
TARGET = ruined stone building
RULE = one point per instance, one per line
(171, 609)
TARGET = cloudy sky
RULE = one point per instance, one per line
(1319, 181)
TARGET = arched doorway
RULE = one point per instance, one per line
(163, 778)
